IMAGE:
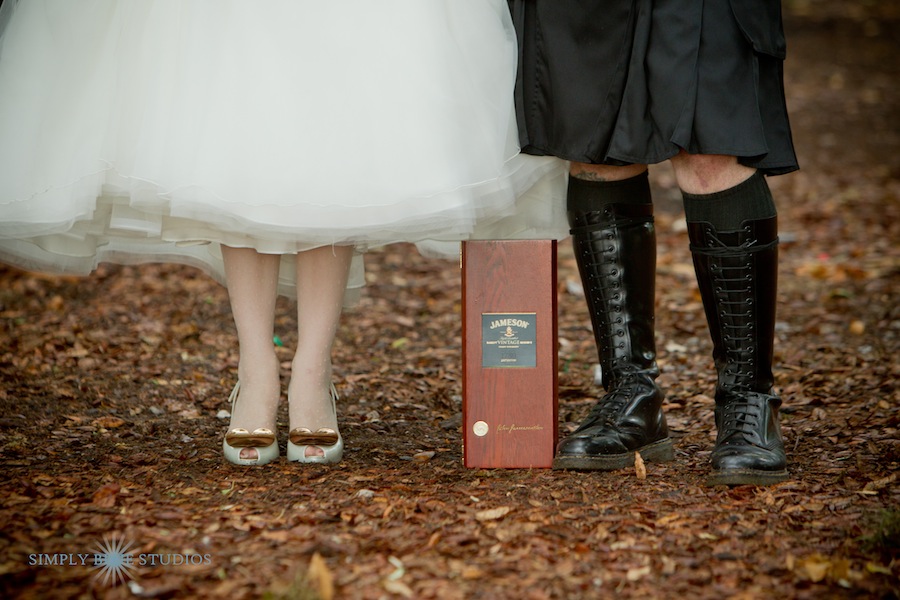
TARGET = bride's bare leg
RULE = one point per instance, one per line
(321, 282)
(252, 280)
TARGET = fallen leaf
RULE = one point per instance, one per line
(279, 535)
(639, 468)
(398, 587)
(108, 422)
(814, 568)
(399, 343)
(492, 514)
(320, 577)
(399, 569)
(637, 573)
(106, 495)
(880, 484)
(874, 568)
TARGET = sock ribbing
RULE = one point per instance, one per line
(585, 196)
(727, 210)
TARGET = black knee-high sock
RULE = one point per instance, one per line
(585, 195)
(749, 200)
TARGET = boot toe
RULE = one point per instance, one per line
(742, 458)
(591, 445)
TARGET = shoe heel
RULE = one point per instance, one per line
(661, 451)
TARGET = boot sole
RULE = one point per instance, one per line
(661, 451)
(734, 477)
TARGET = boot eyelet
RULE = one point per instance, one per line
(614, 272)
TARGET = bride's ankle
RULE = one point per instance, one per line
(312, 406)
(255, 404)
(260, 371)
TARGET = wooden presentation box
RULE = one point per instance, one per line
(509, 353)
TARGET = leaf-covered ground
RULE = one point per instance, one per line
(111, 387)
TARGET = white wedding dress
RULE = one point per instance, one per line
(155, 130)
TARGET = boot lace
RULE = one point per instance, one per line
(605, 277)
(742, 417)
(599, 256)
(733, 287)
(611, 404)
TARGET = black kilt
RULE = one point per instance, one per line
(636, 81)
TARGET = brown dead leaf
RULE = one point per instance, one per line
(280, 535)
(399, 588)
(669, 565)
(492, 514)
(637, 573)
(813, 568)
(106, 495)
(880, 484)
(639, 468)
(320, 577)
(108, 422)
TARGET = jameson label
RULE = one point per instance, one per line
(508, 340)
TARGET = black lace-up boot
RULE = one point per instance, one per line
(737, 272)
(615, 246)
